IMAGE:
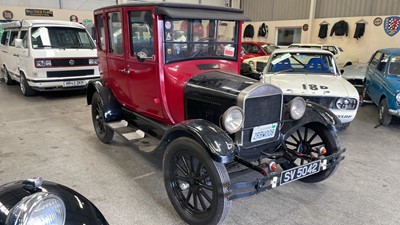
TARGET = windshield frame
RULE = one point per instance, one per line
(199, 39)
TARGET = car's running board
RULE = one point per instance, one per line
(143, 141)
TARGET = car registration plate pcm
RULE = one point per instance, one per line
(74, 83)
(299, 172)
(263, 132)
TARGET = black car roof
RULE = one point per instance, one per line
(188, 11)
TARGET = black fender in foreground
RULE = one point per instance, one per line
(112, 109)
(79, 210)
(315, 113)
(218, 144)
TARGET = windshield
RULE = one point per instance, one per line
(304, 63)
(394, 66)
(195, 39)
(60, 37)
(269, 48)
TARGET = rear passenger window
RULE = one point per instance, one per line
(100, 32)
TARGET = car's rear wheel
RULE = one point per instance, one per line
(306, 140)
(7, 78)
(25, 88)
(103, 132)
(384, 116)
(196, 185)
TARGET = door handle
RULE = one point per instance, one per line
(16, 55)
(124, 71)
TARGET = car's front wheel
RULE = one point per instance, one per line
(196, 185)
(103, 132)
(7, 78)
(307, 140)
(384, 116)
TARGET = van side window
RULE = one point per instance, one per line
(14, 35)
(141, 33)
(24, 36)
(100, 32)
(115, 33)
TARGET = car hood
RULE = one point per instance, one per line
(312, 85)
(355, 71)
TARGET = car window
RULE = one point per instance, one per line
(253, 49)
(375, 59)
(13, 36)
(115, 36)
(24, 36)
(382, 64)
(100, 32)
(394, 66)
(141, 33)
(5, 37)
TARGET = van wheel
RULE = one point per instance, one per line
(25, 88)
(7, 78)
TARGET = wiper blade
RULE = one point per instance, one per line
(50, 46)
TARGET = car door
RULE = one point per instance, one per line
(116, 54)
(23, 53)
(142, 62)
(12, 55)
(377, 76)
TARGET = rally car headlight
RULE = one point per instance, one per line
(346, 103)
(39, 208)
(297, 108)
(233, 119)
(93, 61)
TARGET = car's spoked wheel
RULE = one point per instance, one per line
(196, 185)
(384, 115)
(103, 132)
(308, 140)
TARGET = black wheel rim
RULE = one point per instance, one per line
(192, 184)
(98, 118)
(305, 141)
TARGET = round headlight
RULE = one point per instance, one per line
(342, 103)
(297, 108)
(252, 65)
(232, 120)
(39, 208)
(398, 97)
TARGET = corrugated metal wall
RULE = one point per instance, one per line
(272, 10)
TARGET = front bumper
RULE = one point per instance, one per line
(394, 112)
(272, 180)
(345, 116)
(71, 83)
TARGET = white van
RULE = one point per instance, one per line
(46, 55)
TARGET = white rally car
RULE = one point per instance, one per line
(312, 74)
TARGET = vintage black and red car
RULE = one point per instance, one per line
(169, 84)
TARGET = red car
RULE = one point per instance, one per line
(254, 49)
(174, 89)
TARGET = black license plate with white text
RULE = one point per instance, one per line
(299, 172)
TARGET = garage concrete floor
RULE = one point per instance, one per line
(51, 135)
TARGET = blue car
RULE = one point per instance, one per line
(382, 83)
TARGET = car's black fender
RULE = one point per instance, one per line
(112, 109)
(314, 113)
(79, 210)
(218, 144)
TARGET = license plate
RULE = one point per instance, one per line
(300, 172)
(263, 132)
(74, 83)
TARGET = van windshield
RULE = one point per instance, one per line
(196, 39)
(60, 37)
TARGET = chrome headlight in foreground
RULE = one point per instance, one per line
(233, 119)
(297, 108)
(346, 103)
(39, 208)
